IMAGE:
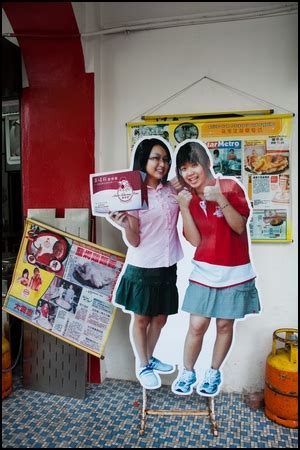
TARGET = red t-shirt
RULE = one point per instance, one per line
(35, 282)
(220, 245)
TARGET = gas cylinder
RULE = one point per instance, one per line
(281, 383)
(6, 363)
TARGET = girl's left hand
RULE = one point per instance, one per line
(213, 193)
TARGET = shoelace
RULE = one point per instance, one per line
(146, 369)
(186, 377)
(211, 377)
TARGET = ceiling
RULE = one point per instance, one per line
(116, 13)
(113, 17)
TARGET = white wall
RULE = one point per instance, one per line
(136, 71)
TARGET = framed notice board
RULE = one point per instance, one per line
(253, 146)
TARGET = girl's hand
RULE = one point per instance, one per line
(213, 193)
(184, 198)
(176, 184)
(130, 225)
(120, 218)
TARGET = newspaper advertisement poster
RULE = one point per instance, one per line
(255, 149)
(63, 285)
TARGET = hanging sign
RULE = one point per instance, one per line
(254, 148)
(63, 285)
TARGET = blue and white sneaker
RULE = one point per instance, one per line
(161, 367)
(184, 384)
(211, 383)
(148, 378)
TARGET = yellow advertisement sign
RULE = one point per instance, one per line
(242, 128)
(63, 285)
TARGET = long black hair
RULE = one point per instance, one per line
(143, 151)
(195, 153)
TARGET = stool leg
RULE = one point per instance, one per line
(143, 419)
(211, 409)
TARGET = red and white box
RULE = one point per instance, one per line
(118, 191)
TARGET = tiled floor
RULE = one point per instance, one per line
(109, 417)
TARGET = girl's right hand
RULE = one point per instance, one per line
(184, 198)
(120, 218)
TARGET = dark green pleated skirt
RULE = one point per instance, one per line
(148, 292)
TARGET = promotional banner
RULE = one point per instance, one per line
(254, 149)
(63, 285)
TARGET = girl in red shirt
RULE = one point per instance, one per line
(215, 212)
(36, 280)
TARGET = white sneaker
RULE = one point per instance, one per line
(148, 378)
(161, 367)
(211, 383)
(184, 383)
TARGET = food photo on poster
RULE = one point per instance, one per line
(47, 250)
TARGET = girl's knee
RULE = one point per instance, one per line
(141, 321)
(197, 329)
(160, 320)
(198, 325)
(224, 326)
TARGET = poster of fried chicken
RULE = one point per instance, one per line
(63, 285)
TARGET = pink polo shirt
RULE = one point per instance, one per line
(159, 242)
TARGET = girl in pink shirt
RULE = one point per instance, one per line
(148, 285)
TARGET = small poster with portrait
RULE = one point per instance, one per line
(63, 285)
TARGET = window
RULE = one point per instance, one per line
(12, 141)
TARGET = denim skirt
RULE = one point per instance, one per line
(148, 292)
(223, 303)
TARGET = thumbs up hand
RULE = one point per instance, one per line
(213, 193)
(184, 198)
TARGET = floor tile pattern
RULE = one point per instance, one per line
(109, 417)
